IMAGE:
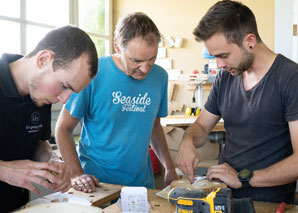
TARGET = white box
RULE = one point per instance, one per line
(178, 41)
(165, 63)
(174, 74)
(134, 199)
(161, 52)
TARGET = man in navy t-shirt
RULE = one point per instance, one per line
(28, 87)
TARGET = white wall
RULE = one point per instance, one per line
(283, 29)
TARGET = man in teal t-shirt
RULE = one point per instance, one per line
(120, 113)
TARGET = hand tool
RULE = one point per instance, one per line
(281, 207)
(60, 192)
(192, 200)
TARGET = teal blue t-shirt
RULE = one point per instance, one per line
(117, 113)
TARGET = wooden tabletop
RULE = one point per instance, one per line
(109, 192)
(102, 195)
(159, 205)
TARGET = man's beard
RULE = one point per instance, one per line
(34, 84)
(245, 63)
(36, 102)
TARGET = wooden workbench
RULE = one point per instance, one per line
(159, 205)
(109, 192)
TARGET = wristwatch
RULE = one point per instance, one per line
(244, 177)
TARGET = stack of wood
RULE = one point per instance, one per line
(205, 185)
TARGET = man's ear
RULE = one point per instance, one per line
(249, 41)
(116, 46)
(44, 57)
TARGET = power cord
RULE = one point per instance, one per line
(194, 94)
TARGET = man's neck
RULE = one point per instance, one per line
(264, 58)
(117, 60)
(20, 72)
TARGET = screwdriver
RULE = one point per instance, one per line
(281, 208)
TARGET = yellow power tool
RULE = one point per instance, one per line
(192, 200)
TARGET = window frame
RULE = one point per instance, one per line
(73, 20)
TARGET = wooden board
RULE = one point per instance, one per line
(61, 207)
(103, 194)
(186, 120)
(208, 163)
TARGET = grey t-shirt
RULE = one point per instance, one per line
(256, 123)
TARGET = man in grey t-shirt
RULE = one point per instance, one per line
(256, 95)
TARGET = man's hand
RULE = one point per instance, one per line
(226, 174)
(85, 183)
(187, 159)
(170, 175)
(23, 173)
(65, 183)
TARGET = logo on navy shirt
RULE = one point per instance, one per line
(35, 118)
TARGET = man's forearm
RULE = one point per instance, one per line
(44, 152)
(195, 134)
(283, 172)
(160, 147)
(2, 171)
(67, 149)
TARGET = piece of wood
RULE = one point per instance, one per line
(168, 129)
(174, 106)
(208, 186)
(205, 185)
(187, 120)
(177, 120)
(207, 163)
(171, 88)
(184, 182)
(103, 194)
(61, 207)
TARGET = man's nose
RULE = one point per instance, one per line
(220, 63)
(64, 96)
(145, 68)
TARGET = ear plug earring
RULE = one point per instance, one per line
(250, 47)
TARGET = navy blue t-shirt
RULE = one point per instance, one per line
(256, 123)
(22, 125)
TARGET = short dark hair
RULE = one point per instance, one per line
(134, 25)
(68, 43)
(231, 18)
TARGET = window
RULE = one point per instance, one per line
(24, 22)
